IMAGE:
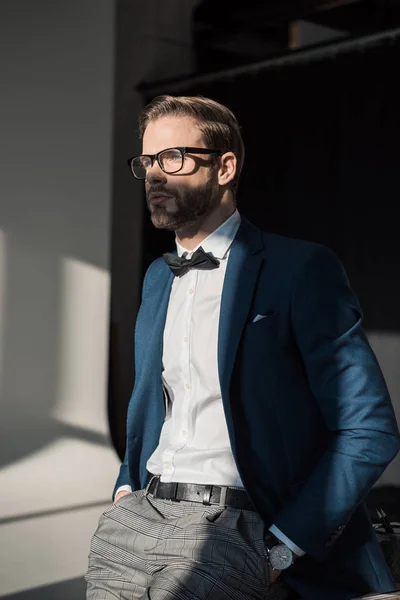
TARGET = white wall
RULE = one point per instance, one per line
(57, 468)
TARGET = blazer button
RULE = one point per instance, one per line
(335, 534)
(330, 540)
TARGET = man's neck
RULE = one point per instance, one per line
(191, 238)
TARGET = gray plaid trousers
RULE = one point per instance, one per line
(147, 548)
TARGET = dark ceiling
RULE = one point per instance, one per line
(236, 33)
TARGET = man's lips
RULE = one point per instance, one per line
(159, 199)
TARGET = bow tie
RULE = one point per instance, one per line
(200, 260)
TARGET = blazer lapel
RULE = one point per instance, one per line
(152, 323)
(240, 280)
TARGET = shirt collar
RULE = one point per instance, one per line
(219, 241)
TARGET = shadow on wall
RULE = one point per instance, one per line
(74, 589)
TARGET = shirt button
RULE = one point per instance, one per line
(184, 433)
(187, 386)
(186, 339)
(191, 292)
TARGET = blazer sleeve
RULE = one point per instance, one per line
(123, 476)
(351, 393)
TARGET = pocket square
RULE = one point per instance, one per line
(259, 317)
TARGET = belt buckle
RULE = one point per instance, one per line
(222, 497)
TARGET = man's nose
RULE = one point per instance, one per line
(155, 174)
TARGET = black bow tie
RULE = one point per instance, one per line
(200, 260)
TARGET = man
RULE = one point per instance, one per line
(259, 419)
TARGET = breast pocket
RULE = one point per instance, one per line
(261, 348)
(261, 329)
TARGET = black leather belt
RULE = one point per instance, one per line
(209, 495)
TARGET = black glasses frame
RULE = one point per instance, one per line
(182, 149)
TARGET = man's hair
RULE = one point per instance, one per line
(216, 122)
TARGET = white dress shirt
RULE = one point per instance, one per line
(194, 445)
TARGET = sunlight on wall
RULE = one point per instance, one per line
(47, 550)
(58, 490)
(57, 496)
(83, 362)
(65, 473)
(2, 295)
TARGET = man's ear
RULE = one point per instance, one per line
(227, 168)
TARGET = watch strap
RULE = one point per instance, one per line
(271, 540)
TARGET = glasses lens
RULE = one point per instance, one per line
(171, 161)
(139, 166)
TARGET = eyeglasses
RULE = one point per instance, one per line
(170, 160)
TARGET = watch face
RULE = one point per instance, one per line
(280, 557)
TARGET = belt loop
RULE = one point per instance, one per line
(207, 494)
(222, 498)
(149, 484)
(174, 490)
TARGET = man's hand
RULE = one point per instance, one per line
(120, 494)
(273, 575)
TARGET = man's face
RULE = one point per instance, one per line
(186, 198)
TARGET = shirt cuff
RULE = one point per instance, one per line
(282, 537)
(123, 488)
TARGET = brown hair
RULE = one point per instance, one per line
(216, 122)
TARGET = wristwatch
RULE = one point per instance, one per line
(280, 556)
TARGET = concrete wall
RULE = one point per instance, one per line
(57, 467)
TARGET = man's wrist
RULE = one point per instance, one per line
(280, 555)
(122, 488)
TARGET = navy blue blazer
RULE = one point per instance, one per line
(309, 416)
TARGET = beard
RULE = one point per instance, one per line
(192, 206)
